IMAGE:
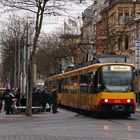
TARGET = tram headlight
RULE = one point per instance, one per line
(128, 100)
(106, 100)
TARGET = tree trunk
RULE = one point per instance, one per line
(31, 82)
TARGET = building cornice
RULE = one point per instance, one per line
(119, 2)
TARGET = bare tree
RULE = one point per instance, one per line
(50, 53)
(12, 39)
(45, 60)
(71, 42)
(39, 8)
(113, 30)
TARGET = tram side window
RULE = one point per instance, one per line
(56, 84)
(59, 86)
(83, 83)
(91, 82)
(98, 82)
(64, 85)
(86, 83)
(74, 84)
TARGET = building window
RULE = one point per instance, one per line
(120, 41)
(121, 19)
(112, 39)
(126, 17)
(126, 42)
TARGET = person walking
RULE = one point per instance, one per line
(8, 99)
(54, 100)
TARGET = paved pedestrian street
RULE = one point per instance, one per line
(66, 125)
(44, 126)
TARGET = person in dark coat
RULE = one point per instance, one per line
(45, 100)
(8, 99)
(54, 100)
(17, 96)
(23, 101)
(1, 100)
(36, 100)
(0, 104)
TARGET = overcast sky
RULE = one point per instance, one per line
(74, 11)
(52, 23)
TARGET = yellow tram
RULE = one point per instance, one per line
(103, 87)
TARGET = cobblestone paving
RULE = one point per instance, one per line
(64, 125)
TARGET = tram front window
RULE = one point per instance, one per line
(117, 80)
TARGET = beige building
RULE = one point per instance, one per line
(86, 42)
(134, 37)
(114, 31)
(116, 20)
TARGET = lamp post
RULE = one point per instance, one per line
(27, 67)
(15, 68)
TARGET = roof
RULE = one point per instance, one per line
(114, 58)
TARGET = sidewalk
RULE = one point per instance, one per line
(41, 126)
(48, 114)
(138, 108)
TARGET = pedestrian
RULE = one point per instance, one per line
(139, 98)
(0, 102)
(45, 100)
(14, 106)
(8, 99)
(23, 101)
(17, 96)
(36, 99)
(0, 105)
(54, 100)
(48, 105)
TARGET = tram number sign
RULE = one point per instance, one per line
(117, 101)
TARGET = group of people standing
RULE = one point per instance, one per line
(10, 101)
(45, 97)
(40, 98)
